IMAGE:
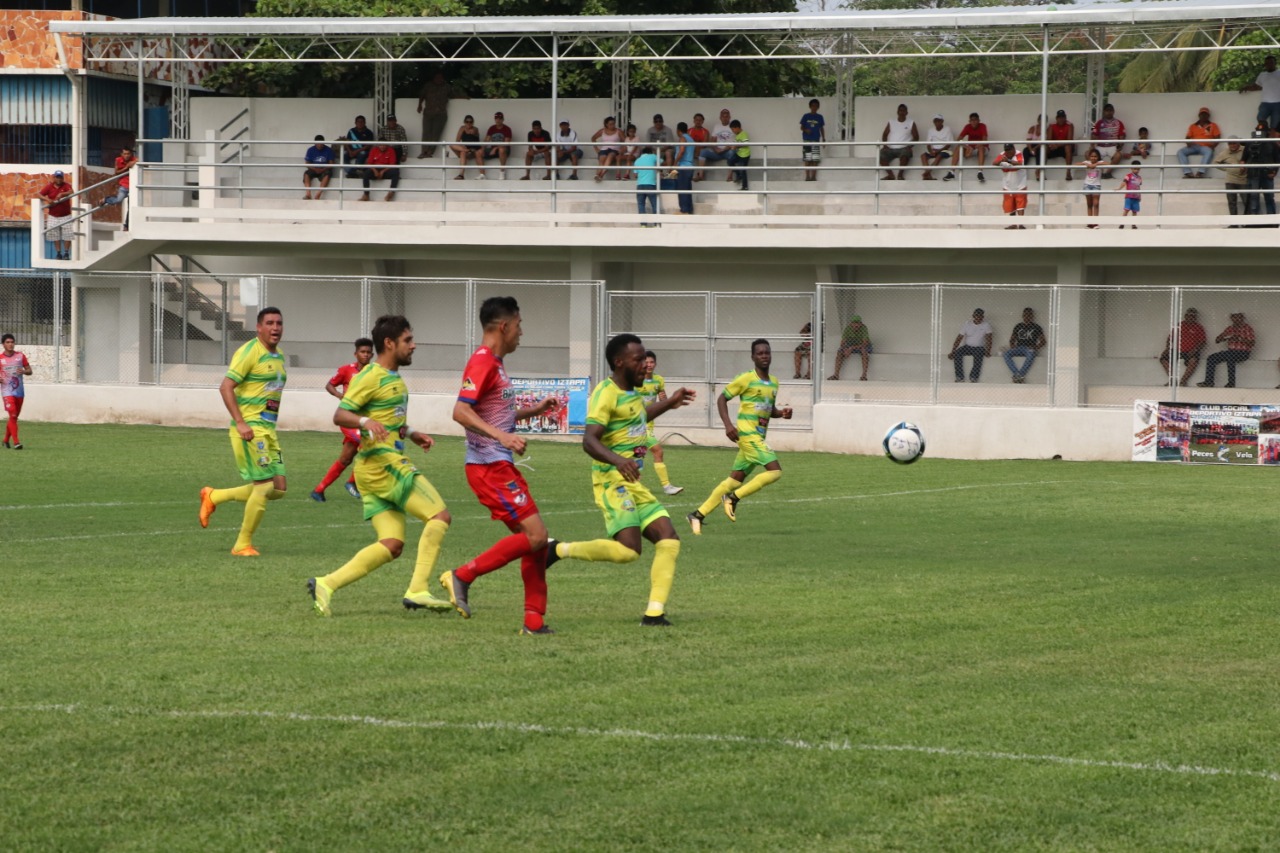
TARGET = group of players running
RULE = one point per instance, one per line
(372, 414)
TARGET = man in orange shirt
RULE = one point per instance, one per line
(1201, 140)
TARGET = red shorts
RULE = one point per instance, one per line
(350, 436)
(1015, 201)
(500, 487)
(13, 405)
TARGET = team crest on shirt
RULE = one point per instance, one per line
(262, 445)
(400, 412)
(467, 384)
(262, 461)
(624, 499)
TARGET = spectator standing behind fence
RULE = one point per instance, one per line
(1013, 179)
(468, 145)
(897, 136)
(1268, 83)
(1026, 342)
(1261, 160)
(741, 159)
(684, 169)
(975, 340)
(319, 159)
(1191, 342)
(855, 338)
(1060, 144)
(938, 150)
(1202, 138)
(433, 105)
(1132, 186)
(661, 137)
(647, 182)
(1108, 135)
(57, 224)
(356, 146)
(804, 350)
(381, 166)
(498, 143)
(1239, 339)
(813, 130)
(976, 146)
(608, 140)
(1092, 164)
(1230, 161)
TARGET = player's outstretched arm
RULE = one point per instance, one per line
(674, 400)
(350, 420)
(466, 415)
(543, 405)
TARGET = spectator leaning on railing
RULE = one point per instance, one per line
(58, 226)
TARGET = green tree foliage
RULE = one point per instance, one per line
(1240, 67)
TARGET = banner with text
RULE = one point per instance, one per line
(569, 417)
(1200, 432)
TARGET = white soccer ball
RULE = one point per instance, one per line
(904, 443)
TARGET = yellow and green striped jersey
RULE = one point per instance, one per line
(259, 375)
(621, 413)
(652, 387)
(380, 395)
(755, 407)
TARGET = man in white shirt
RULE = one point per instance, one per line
(897, 137)
(567, 149)
(939, 150)
(975, 335)
(1267, 82)
(724, 145)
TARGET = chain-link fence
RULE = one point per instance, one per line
(1066, 346)
(703, 340)
(36, 310)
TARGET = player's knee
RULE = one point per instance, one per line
(393, 546)
(538, 540)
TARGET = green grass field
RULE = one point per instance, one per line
(947, 656)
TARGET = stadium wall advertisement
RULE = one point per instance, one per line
(569, 417)
(1219, 434)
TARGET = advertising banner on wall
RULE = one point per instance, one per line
(1223, 434)
(569, 417)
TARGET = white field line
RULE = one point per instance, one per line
(662, 737)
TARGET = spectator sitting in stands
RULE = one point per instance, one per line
(539, 148)
(381, 166)
(660, 136)
(1025, 342)
(722, 149)
(630, 152)
(897, 137)
(1108, 134)
(1059, 142)
(701, 135)
(1202, 138)
(608, 141)
(567, 149)
(855, 338)
(1031, 153)
(1142, 148)
(498, 143)
(804, 350)
(467, 144)
(1239, 340)
(394, 132)
(355, 146)
(1230, 161)
(938, 150)
(976, 335)
(319, 159)
(976, 132)
(1191, 342)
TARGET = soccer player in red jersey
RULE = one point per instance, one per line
(486, 407)
(13, 366)
(337, 386)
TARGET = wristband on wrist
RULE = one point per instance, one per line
(363, 421)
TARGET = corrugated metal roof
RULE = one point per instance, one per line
(112, 104)
(15, 249)
(35, 99)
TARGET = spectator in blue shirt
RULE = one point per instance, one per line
(320, 160)
(813, 129)
(685, 167)
(646, 169)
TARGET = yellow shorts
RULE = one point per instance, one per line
(625, 504)
(389, 485)
(752, 452)
(259, 459)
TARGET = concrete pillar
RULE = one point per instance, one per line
(585, 328)
(1066, 338)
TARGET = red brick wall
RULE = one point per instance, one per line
(25, 41)
(18, 188)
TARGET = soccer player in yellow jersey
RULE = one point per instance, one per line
(376, 403)
(251, 392)
(617, 440)
(757, 391)
(653, 390)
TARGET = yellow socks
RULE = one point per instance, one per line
(239, 494)
(597, 551)
(758, 482)
(255, 507)
(428, 551)
(663, 477)
(661, 575)
(365, 561)
(727, 485)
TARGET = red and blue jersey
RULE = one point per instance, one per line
(11, 373)
(345, 374)
(486, 388)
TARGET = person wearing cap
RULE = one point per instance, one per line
(975, 131)
(319, 159)
(1060, 141)
(1108, 135)
(1191, 342)
(1025, 342)
(498, 142)
(58, 228)
(662, 137)
(938, 150)
(1014, 180)
(1268, 83)
(1202, 137)
(467, 145)
(855, 338)
(539, 148)
(567, 149)
(1239, 339)
(975, 340)
(813, 130)
(897, 136)
(393, 131)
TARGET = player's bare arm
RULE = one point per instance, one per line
(227, 390)
(465, 415)
(595, 448)
(331, 389)
(350, 420)
(674, 400)
(545, 404)
(730, 429)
